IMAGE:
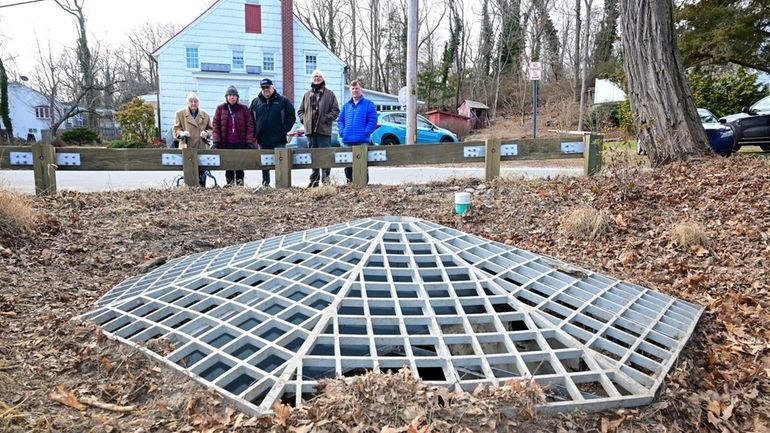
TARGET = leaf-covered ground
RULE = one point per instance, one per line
(54, 371)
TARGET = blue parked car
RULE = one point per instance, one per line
(720, 137)
(391, 130)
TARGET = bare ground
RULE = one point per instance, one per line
(84, 244)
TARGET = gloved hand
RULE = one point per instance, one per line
(215, 145)
(184, 134)
(250, 145)
(205, 135)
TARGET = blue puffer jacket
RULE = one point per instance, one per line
(357, 121)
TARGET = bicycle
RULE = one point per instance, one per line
(207, 173)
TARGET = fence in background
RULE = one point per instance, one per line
(46, 160)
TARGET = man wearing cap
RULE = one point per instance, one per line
(233, 129)
(318, 111)
(273, 116)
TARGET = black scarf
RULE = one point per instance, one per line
(318, 87)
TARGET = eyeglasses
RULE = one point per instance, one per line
(265, 87)
(318, 76)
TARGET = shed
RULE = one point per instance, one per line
(456, 123)
(477, 112)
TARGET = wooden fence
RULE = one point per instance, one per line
(46, 160)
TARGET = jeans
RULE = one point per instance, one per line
(315, 141)
(202, 177)
(349, 170)
(266, 173)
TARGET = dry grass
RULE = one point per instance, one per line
(585, 223)
(689, 235)
(16, 215)
(323, 191)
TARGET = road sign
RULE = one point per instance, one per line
(535, 70)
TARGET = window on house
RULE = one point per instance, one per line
(43, 112)
(253, 18)
(268, 62)
(237, 59)
(192, 58)
(311, 63)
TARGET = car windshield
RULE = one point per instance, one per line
(706, 116)
(762, 105)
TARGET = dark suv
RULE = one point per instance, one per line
(751, 126)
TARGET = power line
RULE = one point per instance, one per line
(20, 3)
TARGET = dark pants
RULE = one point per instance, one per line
(202, 177)
(266, 173)
(234, 176)
(322, 174)
(349, 170)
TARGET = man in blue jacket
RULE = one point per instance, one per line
(357, 121)
(273, 116)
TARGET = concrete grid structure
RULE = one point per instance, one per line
(264, 321)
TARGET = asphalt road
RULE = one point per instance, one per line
(90, 181)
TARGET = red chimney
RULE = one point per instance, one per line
(287, 42)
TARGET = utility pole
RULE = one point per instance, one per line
(411, 73)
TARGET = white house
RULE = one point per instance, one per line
(240, 42)
(29, 111)
(607, 91)
(383, 101)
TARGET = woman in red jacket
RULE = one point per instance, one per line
(233, 129)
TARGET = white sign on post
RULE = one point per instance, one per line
(535, 70)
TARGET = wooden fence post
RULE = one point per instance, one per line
(492, 159)
(592, 154)
(283, 164)
(360, 164)
(44, 156)
(190, 167)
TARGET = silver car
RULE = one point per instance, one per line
(296, 139)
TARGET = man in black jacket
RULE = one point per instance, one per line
(273, 118)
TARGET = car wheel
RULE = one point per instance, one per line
(765, 147)
(447, 139)
(389, 141)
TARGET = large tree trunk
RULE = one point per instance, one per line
(661, 100)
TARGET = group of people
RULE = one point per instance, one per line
(270, 116)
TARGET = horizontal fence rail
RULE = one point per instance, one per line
(46, 160)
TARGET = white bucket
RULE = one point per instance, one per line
(462, 202)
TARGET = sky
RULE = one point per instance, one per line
(106, 20)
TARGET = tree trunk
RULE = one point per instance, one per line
(353, 26)
(5, 113)
(584, 68)
(578, 25)
(661, 101)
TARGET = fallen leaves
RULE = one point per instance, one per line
(87, 243)
(66, 398)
